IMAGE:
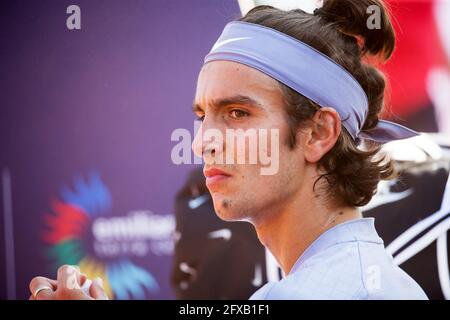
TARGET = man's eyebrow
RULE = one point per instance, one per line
(223, 102)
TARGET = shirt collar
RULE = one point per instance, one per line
(362, 229)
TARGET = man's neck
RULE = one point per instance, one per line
(289, 231)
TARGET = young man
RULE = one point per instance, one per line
(278, 71)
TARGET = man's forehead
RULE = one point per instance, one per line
(224, 79)
(225, 69)
(221, 102)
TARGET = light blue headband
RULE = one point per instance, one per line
(305, 70)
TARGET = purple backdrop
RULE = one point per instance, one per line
(86, 119)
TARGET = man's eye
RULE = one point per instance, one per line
(238, 114)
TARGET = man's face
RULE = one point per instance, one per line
(234, 96)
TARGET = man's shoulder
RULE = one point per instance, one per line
(348, 270)
(334, 273)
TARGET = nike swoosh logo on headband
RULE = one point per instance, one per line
(221, 43)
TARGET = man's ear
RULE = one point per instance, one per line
(323, 131)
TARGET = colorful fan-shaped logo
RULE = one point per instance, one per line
(67, 234)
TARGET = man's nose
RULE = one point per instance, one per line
(197, 144)
(207, 143)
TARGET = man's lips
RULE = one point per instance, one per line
(212, 172)
(215, 175)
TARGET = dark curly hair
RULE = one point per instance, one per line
(339, 30)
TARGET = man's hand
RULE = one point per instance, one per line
(66, 287)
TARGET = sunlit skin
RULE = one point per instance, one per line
(287, 214)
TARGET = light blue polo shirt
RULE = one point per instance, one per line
(348, 261)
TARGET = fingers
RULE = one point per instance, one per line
(68, 277)
(39, 280)
(42, 288)
(69, 284)
(83, 278)
(97, 291)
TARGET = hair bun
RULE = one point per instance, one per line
(351, 17)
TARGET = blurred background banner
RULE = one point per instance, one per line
(86, 121)
(85, 127)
